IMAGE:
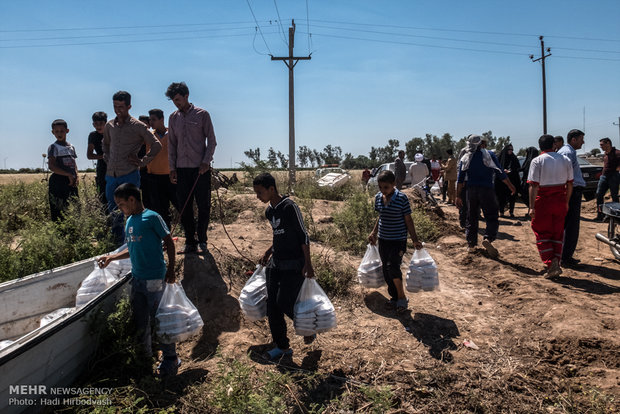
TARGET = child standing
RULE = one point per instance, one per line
(290, 261)
(144, 232)
(61, 161)
(391, 228)
(95, 152)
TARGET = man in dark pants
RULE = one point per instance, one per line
(480, 166)
(574, 141)
(191, 144)
(610, 179)
(400, 171)
(288, 258)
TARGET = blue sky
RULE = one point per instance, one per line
(379, 70)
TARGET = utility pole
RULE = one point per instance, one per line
(612, 123)
(290, 61)
(544, 81)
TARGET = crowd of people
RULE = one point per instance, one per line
(144, 168)
(549, 182)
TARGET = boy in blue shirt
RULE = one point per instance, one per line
(290, 261)
(144, 232)
(391, 228)
(61, 161)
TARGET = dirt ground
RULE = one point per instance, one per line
(540, 345)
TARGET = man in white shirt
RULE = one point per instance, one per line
(551, 184)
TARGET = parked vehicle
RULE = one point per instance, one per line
(612, 213)
(55, 354)
(372, 182)
(591, 174)
(327, 169)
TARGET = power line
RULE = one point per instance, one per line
(465, 31)
(453, 47)
(280, 23)
(420, 44)
(308, 25)
(123, 41)
(456, 40)
(122, 34)
(259, 29)
(151, 26)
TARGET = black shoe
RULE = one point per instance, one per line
(571, 263)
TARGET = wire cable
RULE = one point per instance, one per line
(123, 41)
(151, 26)
(308, 25)
(280, 23)
(259, 28)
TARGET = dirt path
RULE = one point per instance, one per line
(537, 339)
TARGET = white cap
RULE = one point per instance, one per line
(419, 157)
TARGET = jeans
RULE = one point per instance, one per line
(477, 198)
(186, 177)
(571, 224)
(283, 287)
(111, 183)
(391, 252)
(145, 297)
(607, 182)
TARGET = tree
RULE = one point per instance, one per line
(385, 154)
(357, 163)
(595, 151)
(317, 157)
(283, 159)
(414, 146)
(253, 154)
(502, 142)
(303, 155)
(332, 155)
(272, 158)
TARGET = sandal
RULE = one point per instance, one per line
(402, 305)
(277, 353)
(309, 339)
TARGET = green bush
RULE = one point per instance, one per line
(21, 203)
(37, 243)
(425, 227)
(336, 278)
(354, 222)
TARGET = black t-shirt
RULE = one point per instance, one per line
(289, 232)
(96, 139)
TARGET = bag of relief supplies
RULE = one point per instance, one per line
(422, 273)
(370, 272)
(96, 282)
(119, 267)
(436, 189)
(314, 312)
(52, 316)
(253, 297)
(177, 317)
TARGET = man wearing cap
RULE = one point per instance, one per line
(551, 184)
(476, 170)
(574, 141)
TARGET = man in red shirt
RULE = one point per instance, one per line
(551, 184)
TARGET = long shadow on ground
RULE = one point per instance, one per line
(206, 288)
(586, 285)
(433, 331)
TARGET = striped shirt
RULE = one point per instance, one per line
(392, 216)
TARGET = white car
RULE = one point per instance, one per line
(372, 182)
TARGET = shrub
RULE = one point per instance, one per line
(354, 223)
(336, 278)
(307, 187)
(425, 227)
(39, 244)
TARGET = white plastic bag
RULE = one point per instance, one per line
(52, 316)
(435, 189)
(314, 312)
(370, 271)
(253, 297)
(422, 273)
(177, 317)
(96, 282)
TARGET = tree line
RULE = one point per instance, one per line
(430, 146)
